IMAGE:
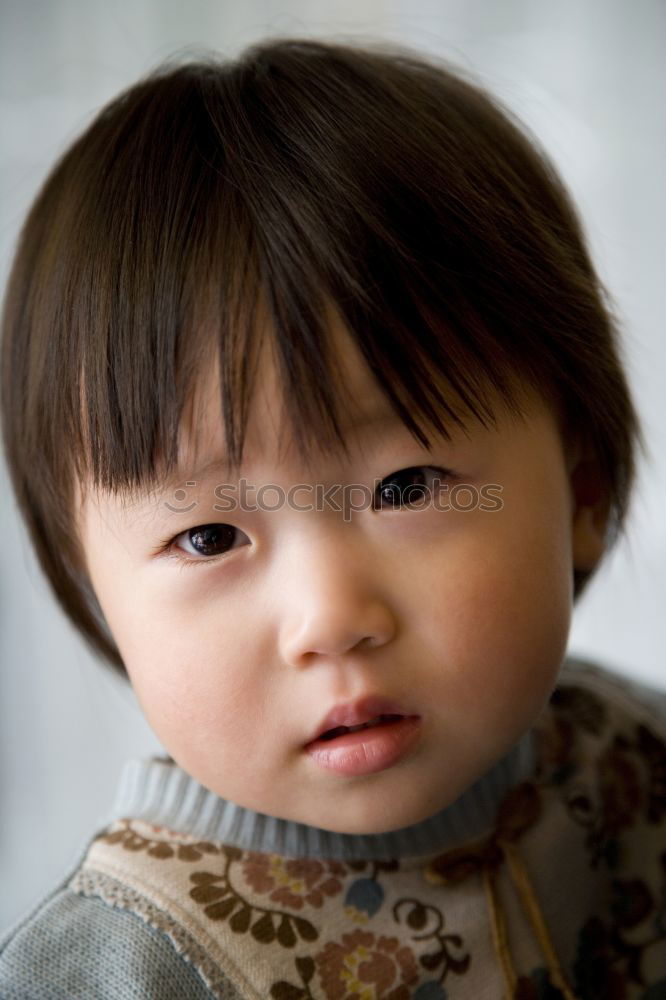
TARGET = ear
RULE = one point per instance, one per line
(590, 510)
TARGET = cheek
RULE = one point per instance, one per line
(504, 612)
(196, 681)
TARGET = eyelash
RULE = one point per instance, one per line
(170, 549)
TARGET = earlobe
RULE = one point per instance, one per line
(591, 510)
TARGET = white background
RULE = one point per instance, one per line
(587, 75)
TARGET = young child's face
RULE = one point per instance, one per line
(456, 621)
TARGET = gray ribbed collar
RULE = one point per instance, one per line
(160, 792)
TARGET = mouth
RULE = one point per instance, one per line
(364, 737)
(378, 720)
(366, 712)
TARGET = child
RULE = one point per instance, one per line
(314, 410)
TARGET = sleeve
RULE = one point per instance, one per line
(75, 947)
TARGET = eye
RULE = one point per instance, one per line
(205, 541)
(415, 485)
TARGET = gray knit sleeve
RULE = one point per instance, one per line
(75, 947)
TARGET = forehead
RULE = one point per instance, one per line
(362, 406)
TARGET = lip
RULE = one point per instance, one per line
(356, 713)
(364, 751)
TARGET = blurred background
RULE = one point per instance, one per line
(588, 76)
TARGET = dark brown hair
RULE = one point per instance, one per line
(301, 174)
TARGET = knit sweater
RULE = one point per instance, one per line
(545, 880)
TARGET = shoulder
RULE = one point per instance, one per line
(614, 699)
(73, 945)
(602, 748)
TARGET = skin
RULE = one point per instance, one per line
(462, 617)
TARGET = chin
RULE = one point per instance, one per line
(369, 818)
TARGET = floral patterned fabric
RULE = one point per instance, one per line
(564, 898)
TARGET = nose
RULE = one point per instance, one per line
(334, 599)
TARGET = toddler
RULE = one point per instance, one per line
(315, 412)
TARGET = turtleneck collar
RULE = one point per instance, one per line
(159, 792)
